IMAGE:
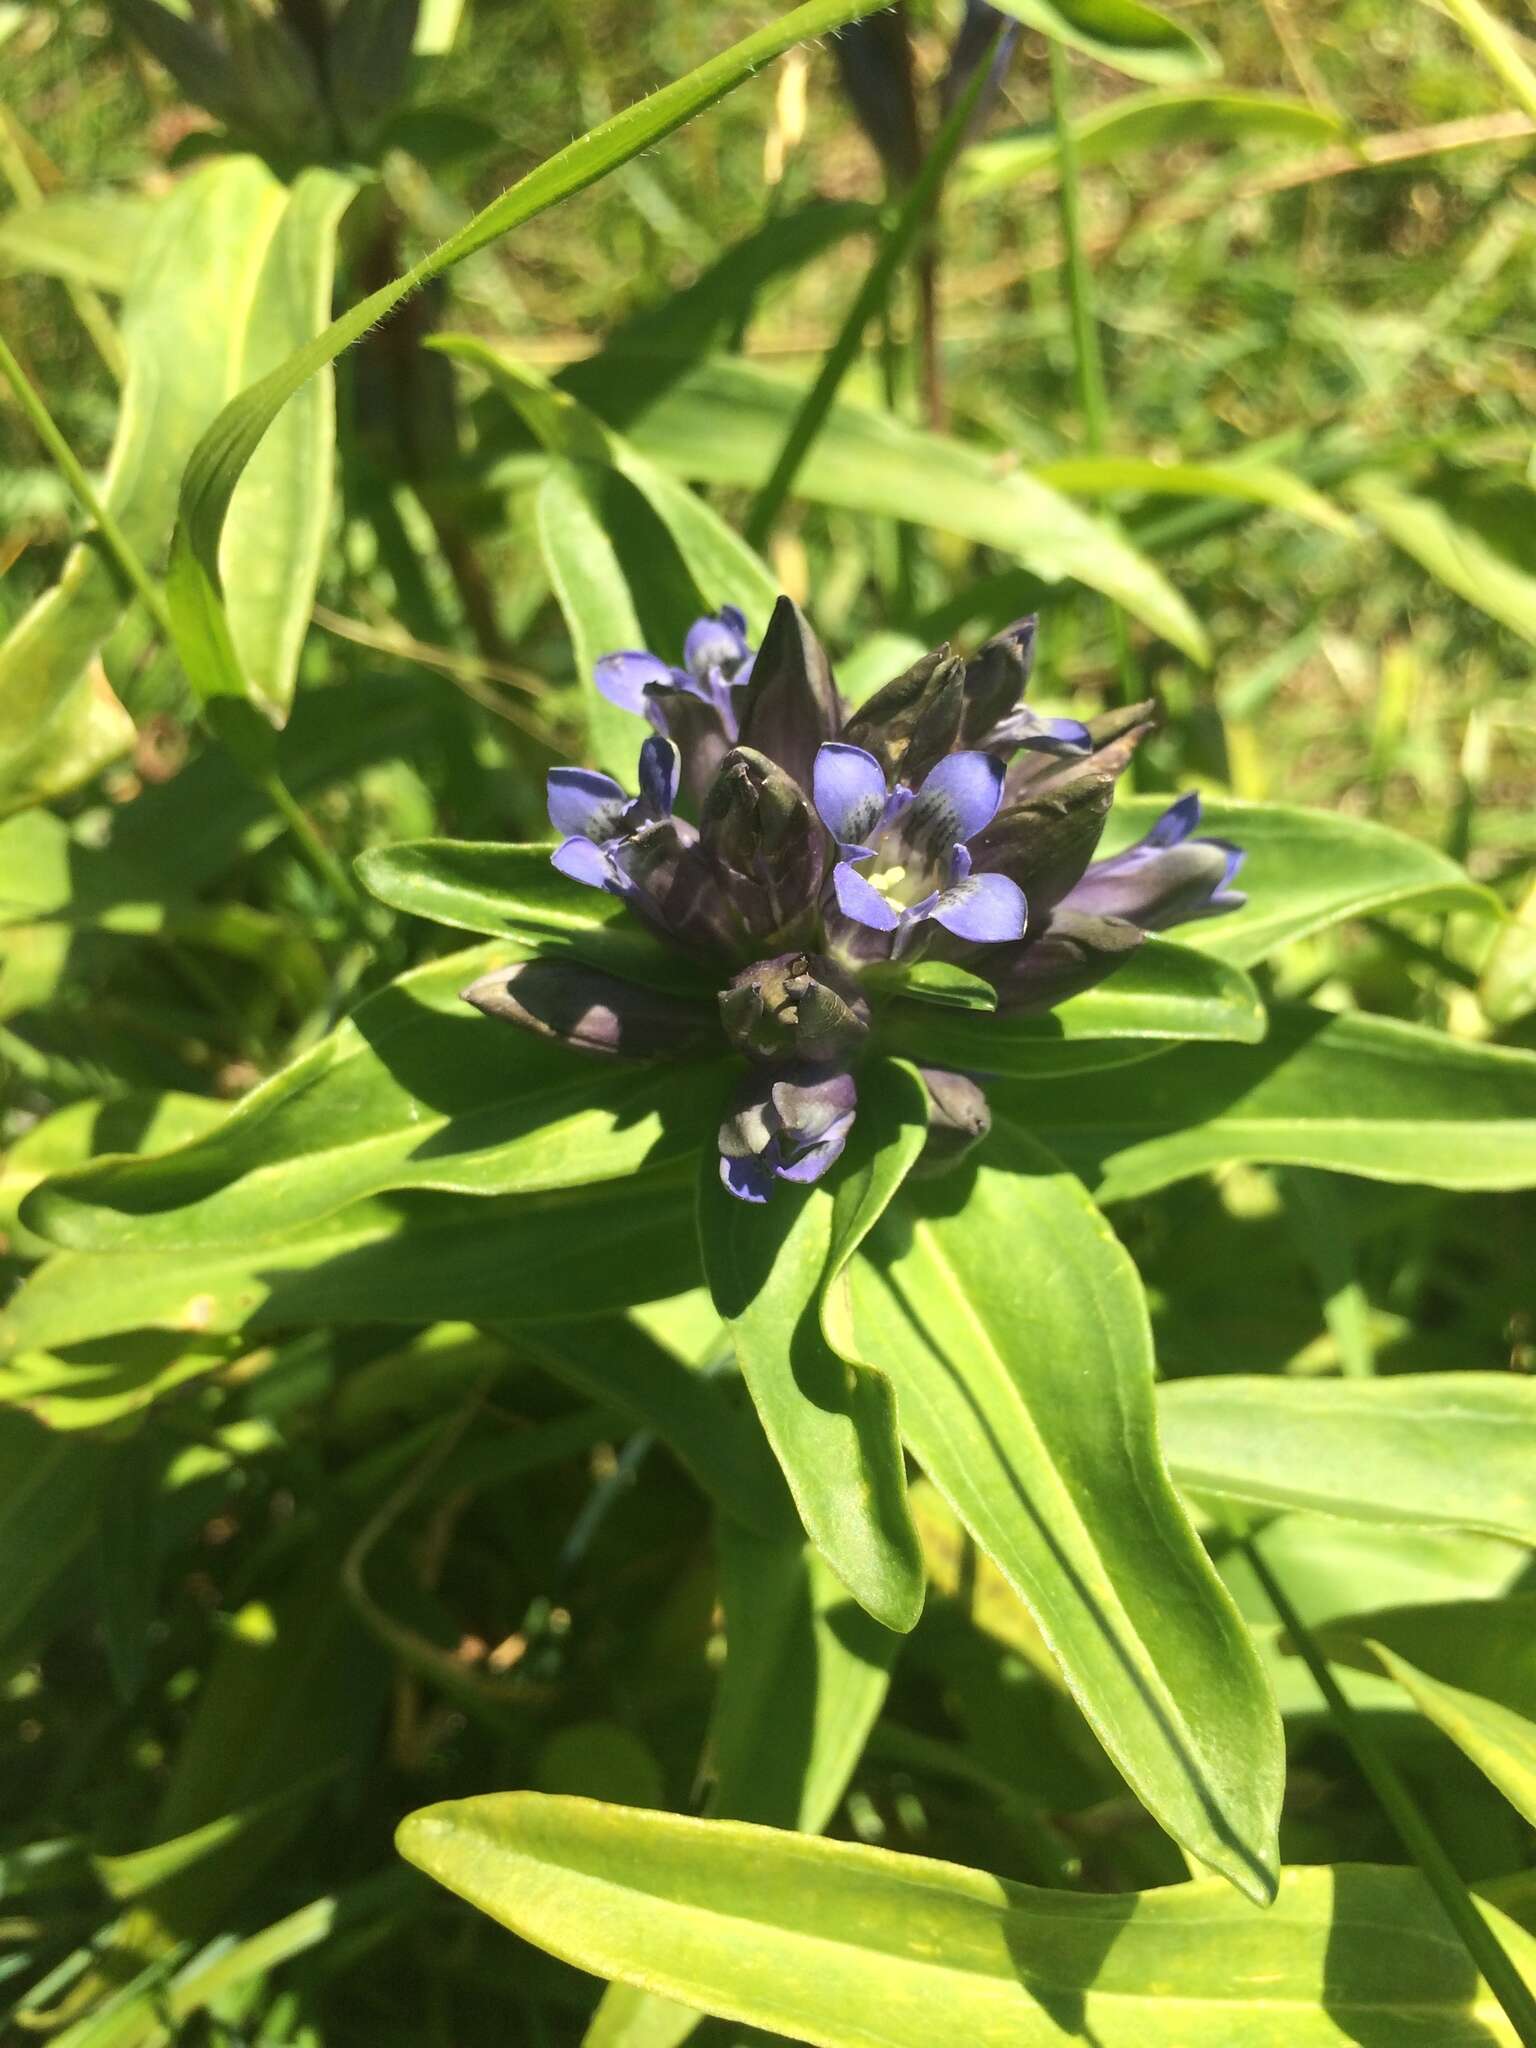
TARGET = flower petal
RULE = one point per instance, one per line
(1177, 822)
(585, 862)
(623, 678)
(659, 767)
(716, 641)
(989, 910)
(848, 787)
(812, 1164)
(749, 1180)
(958, 799)
(860, 900)
(584, 804)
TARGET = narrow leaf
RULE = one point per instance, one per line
(1014, 1331)
(852, 1947)
(1435, 1450)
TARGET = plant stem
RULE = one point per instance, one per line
(116, 541)
(316, 852)
(1092, 392)
(1401, 1808)
(898, 240)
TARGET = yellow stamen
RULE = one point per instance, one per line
(888, 879)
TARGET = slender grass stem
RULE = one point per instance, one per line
(1401, 1808)
(898, 240)
(1092, 391)
(113, 538)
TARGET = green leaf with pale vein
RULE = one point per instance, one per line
(1349, 1093)
(846, 1946)
(1448, 1450)
(415, 1089)
(1014, 1331)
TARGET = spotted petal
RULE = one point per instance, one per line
(848, 786)
(623, 678)
(958, 799)
(718, 641)
(584, 804)
(989, 910)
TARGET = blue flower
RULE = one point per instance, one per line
(943, 814)
(698, 705)
(913, 844)
(785, 1123)
(1167, 878)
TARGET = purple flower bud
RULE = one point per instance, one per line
(594, 1012)
(874, 60)
(1045, 840)
(1068, 954)
(912, 722)
(698, 706)
(958, 1119)
(800, 1006)
(785, 1123)
(765, 847)
(790, 705)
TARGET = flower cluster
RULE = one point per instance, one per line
(942, 819)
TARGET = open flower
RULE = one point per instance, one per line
(905, 853)
(697, 705)
(943, 815)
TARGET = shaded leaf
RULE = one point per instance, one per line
(1473, 533)
(832, 1423)
(1349, 1093)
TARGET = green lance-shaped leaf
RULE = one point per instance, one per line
(724, 422)
(1127, 35)
(182, 336)
(806, 1673)
(1473, 533)
(846, 1946)
(512, 893)
(50, 1496)
(208, 649)
(1164, 991)
(1470, 1667)
(415, 1089)
(1352, 1094)
(1448, 1450)
(95, 240)
(593, 593)
(1251, 483)
(407, 1258)
(832, 1422)
(1014, 1331)
(721, 564)
(1305, 870)
(235, 272)
(1149, 120)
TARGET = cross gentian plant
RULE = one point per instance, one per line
(942, 819)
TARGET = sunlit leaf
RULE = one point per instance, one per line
(1434, 1450)
(1150, 120)
(844, 1946)
(1014, 1331)
(1128, 35)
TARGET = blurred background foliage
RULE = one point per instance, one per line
(279, 1603)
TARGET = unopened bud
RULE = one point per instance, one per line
(958, 1119)
(765, 843)
(798, 1006)
(594, 1012)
